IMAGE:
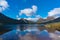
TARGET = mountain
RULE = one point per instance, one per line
(50, 18)
(7, 24)
(6, 20)
(41, 20)
(52, 21)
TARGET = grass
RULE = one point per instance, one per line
(53, 26)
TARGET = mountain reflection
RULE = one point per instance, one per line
(30, 33)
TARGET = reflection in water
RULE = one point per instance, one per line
(30, 32)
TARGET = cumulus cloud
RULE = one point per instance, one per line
(33, 19)
(29, 11)
(3, 5)
(55, 12)
(34, 8)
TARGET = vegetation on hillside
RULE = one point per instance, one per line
(53, 26)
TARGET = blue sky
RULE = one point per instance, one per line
(43, 7)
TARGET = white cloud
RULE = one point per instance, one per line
(29, 11)
(55, 12)
(17, 17)
(38, 16)
(3, 5)
(34, 8)
(33, 19)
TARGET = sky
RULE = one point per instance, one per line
(31, 9)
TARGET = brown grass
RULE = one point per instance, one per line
(53, 26)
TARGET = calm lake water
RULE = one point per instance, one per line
(31, 28)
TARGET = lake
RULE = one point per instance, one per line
(29, 28)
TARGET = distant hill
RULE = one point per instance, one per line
(52, 21)
(49, 18)
(41, 20)
(4, 20)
